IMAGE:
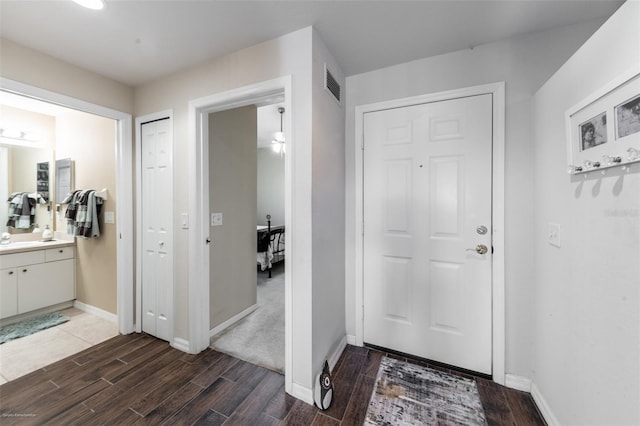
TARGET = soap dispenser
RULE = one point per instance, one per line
(47, 234)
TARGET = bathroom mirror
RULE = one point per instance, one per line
(25, 169)
(64, 179)
(27, 138)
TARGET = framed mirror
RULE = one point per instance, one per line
(64, 179)
(26, 156)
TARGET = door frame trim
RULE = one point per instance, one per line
(166, 114)
(198, 155)
(498, 321)
(124, 188)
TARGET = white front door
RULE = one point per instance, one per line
(157, 230)
(427, 208)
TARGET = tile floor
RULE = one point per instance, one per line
(83, 330)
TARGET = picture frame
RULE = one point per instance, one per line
(604, 129)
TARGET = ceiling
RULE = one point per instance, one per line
(137, 41)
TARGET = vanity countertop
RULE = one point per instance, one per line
(22, 246)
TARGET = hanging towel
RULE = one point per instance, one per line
(22, 209)
(82, 213)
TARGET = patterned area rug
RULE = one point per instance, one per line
(30, 326)
(409, 394)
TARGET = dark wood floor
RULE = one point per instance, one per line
(137, 379)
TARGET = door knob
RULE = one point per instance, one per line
(480, 249)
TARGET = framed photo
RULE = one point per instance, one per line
(628, 118)
(593, 132)
(604, 129)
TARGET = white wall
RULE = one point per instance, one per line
(524, 64)
(270, 187)
(587, 321)
(289, 55)
(328, 210)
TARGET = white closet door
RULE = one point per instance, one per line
(157, 219)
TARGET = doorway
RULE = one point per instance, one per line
(123, 192)
(69, 125)
(199, 209)
(494, 229)
(246, 179)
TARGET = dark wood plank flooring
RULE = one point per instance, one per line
(137, 379)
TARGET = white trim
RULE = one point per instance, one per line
(90, 309)
(124, 189)
(180, 344)
(302, 393)
(498, 283)
(335, 355)
(517, 382)
(351, 340)
(234, 319)
(543, 406)
(198, 285)
(139, 237)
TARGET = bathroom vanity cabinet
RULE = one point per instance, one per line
(36, 279)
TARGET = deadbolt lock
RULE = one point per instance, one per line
(481, 229)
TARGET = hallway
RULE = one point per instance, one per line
(139, 379)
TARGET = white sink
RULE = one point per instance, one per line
(25, 244)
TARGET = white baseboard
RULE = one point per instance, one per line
(96, 311)
(517, 382)
(300, 392)
(180, 344)
(351, 339)
(232, 320)
(543, 406)
(335, 356)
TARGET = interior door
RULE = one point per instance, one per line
(157, 217)
(427, 230)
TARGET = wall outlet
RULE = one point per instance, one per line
(216, 219)
(554, 234)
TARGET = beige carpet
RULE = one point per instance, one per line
(259, 337)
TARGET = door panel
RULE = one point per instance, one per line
(427, 186)
(157, 208)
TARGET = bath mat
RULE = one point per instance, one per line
(409, 394)
(30, 326)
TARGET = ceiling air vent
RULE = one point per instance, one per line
(332, 85)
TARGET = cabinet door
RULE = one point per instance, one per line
(8, 292)
(45, 284)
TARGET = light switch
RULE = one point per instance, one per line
(554, 234)
(109, 217)
(216, 219)
(184, 220)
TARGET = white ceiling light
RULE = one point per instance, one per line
(277, 144)
(18, 137)
(91, 4)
